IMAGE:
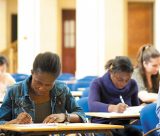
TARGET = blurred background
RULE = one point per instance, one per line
(84, 33)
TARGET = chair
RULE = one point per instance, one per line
(83, 82)
(83, 103)
(66, 77)
(90, 77)
(80, 85)
(149, 119)
(85, 92)
(19, 77)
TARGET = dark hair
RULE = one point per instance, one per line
(119, 64)
(145, 53)
(47, 62)
(3, 60)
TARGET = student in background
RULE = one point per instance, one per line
(40, 98)
(146, 73)
(5, 78)
(107, 92)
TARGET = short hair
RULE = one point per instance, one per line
(47, 62)
(3, 60)
(119, 64)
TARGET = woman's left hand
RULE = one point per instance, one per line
(55, 118)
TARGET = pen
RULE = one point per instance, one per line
(121, 99)
(23, 109)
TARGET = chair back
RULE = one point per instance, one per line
(85, 92)
(84, 82)
(19, 77)
(149, 119)
(83, 103)
(66, 77)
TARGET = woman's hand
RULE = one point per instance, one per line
(55, 118)
(22, 118)
(120, 107)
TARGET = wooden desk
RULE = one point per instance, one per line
(59, 128)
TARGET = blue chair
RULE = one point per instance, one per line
(83, 103)
(85, 92)
(83, 82)
(80, 84)
(19, 77)
(89, 78)
(149, 119)
(66, 77)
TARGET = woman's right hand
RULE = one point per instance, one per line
(120, 108)
(22, 118)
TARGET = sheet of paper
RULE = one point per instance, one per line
(36, 125)
(133, 109)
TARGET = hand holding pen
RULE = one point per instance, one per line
(122, 106)
(22, 118)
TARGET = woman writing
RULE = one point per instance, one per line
(106, 92)
(146, 73)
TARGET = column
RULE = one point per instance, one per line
(101, 34)
(3, 26)
(37, 23)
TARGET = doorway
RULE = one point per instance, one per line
(14, 27)
(68, 41)
(140, 27)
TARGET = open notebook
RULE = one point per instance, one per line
(130, 112)
(133, 109)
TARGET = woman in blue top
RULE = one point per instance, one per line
(40, 98)
(105, 92)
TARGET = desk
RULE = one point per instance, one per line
(77, 93)
(59, 128)
(131, 112)
(113, 115)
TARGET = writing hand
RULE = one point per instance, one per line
(121, 107)
(22, 118)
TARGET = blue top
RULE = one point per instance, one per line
(158, 112)
(17, 98)
(103, 92)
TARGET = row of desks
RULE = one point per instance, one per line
(58, 128)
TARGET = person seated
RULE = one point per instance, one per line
(146, 73)
(158, 113)
(107, 92)
(41, 98)
(5, 78)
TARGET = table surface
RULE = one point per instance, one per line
(131, 112)
(76, 93)
(112, 115)
(58, 127)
